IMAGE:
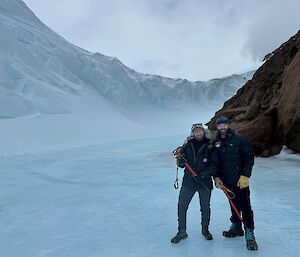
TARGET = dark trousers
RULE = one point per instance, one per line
(242, 203)
(185, 196)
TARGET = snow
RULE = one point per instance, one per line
(117, 199)
(39, 132)
(43, 73)
(56, 95)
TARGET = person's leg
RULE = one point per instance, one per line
(248, 219)
(246, 208)
(204, 196)
(237, 202)
(185, 196)
(236, 226)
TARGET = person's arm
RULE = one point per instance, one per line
(181, 161)
(212, 168)
(247, 156)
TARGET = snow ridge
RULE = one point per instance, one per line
(41, 73)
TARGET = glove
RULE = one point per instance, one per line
(180, 162)
(218, 182)
(243, 182)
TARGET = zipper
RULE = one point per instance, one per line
(194, 154)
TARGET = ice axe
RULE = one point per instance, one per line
(178, 154)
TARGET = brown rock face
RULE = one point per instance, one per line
(266, 110)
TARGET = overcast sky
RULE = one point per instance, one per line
(193, 39)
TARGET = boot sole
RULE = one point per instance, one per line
(208, 238)
(252, 248)
(231, 236)
(176, 242)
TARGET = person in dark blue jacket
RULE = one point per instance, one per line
(199, 153)
(236, 159)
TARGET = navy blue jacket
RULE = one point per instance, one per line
(236, 157)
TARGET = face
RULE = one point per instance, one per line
(198, 134)
(223, 128)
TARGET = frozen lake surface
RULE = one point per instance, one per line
(117, 199)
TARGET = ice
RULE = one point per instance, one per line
(117, 199)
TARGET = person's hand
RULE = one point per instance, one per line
(243, 182)
(218, 182)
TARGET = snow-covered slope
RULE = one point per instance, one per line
(37, 67)
(40, 72)
(45, 80)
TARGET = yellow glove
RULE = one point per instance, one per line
(218, 182)
(243, 182)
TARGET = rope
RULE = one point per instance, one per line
(231, 194)
(230, 198)
(176, 179)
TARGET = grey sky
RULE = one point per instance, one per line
(193, 39)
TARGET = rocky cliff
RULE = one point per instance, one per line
(267, 108)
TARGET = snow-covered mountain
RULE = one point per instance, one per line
(55, 94)
(40, 72)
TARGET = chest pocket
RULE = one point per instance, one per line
(203, 158)
(232, 148)
(190, 155)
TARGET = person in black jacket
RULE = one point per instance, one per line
(236, 159)
(198, 152)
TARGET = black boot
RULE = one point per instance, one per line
(181, 235)
(206, 233)
(235, 230)
(250, 240)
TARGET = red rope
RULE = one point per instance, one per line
(232, 204)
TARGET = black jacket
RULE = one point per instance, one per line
(236, 157)
(204, 161)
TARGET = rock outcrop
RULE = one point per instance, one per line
(266, 109)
